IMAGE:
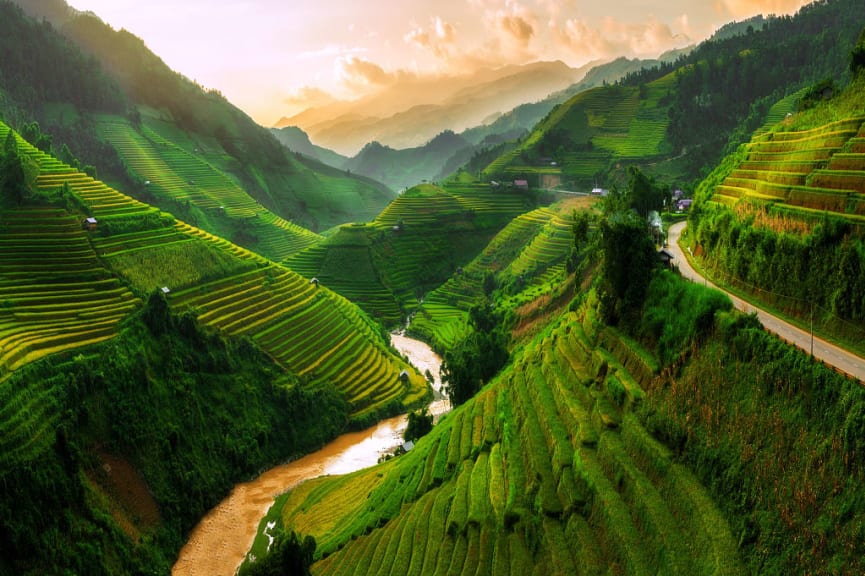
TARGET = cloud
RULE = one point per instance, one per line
(360, 74)
(616, 38)
(748, 8)
(308, 96)
(363, 76)
(516, 28)
(439, 38)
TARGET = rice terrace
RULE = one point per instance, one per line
(478, 289)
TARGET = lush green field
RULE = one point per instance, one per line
(592, 131)
(184, 179)
(546, 471)
(308, 329)
(783, 219)
(414, 245)
(524, 260)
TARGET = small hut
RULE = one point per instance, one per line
(89, 224)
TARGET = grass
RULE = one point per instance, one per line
(506, 480)
(313, 331)
(593, 130)
(185, 177)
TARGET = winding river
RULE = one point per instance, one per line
(219, 543)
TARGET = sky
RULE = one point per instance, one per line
(274, 58)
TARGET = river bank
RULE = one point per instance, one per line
(219, 543)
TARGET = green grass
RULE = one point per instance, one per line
(507, 480)
(592, 131)
(184, 175)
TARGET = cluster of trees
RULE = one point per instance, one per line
(730, 83)
(478, 357)
(825, 267)
(17, 173)
(289, 555)
(38, 66)
(162, 395)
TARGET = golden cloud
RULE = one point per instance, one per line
(308, 96)
(748, 8)
(615, 38)
(440, 38)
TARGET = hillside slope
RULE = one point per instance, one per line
(100, 71)
(784, 217)
(308, 329)
(415, 244)
(585, 457)
(655, 118)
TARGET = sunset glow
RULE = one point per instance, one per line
(276, 58)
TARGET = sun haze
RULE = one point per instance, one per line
(275, 58)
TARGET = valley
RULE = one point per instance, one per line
(605, 319)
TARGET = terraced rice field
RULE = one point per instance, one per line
(620, 123)
(184, 175)
(543, 472)
(311, 330)
(527, 248)
(413, 243)
(803, 173)
(55, 295)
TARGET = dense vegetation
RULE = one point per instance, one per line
(655, 118)
(147, 436)
(783, 217)
(415, 244)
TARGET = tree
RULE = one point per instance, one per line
(17, 174)
(629, 257)
(857, 56)
(420, 422)
(646, 194)
(478, 357)
(288, 556)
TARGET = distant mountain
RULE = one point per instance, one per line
(448, 151)
(525, 116)
(411, 113)
(131, 96)
(402, 169)
(298, 141)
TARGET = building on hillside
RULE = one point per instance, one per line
(403, 376)
(407, 446)
(314, 282)
(521, 184)
(166, 290)
(600, 192)
(684, 205)
(666, 257)
(89, 224)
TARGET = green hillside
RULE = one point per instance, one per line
(656, 118)
(582, 457)
(783, 218)
(581, 138)
(525, 261)
(414, 245)
(208, 162)
(185, 181)
(308, 329)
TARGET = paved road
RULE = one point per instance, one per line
(829, 353)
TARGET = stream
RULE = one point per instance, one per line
(217, 546)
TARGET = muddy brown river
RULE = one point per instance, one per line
(219, 543)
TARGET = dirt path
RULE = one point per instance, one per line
(841, 359)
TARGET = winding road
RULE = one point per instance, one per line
(839, 358)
